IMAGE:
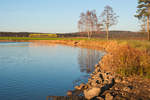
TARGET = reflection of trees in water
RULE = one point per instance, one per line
(87, 59)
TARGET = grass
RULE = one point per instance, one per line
(43, 38)
(133, 43)
(140, 44)
(128, 58)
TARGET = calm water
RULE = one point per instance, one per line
(29, 72)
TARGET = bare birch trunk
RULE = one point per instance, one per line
(148, 28)
(107, 32)
(88, 35)
(91, 34)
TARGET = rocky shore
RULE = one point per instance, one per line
(103, 85)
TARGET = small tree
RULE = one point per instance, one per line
(88, 22)
(144, 11)
(108, 19)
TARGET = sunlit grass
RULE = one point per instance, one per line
(141, 44)
(133, 43)
(37, 38)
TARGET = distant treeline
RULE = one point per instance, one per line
(112, 35)
(101, 34)
(26, 34)
(14, 34)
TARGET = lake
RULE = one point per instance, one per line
(32, 72)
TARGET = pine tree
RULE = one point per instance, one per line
(143, 10)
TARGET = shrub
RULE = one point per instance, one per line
(126, 60)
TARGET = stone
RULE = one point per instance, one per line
(91, 93)
(69, 93)
(108, 96)
(116, 88)
(127, 89)
(99, 98)
(80, 87)
(118, 79)
(117, 97)
(97, 70)
(97, 65)
(88, 85)
(91, 75)
(125, 82)
(94, 84)
(77, 87)
(75, 43)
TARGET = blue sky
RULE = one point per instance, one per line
(60, 15)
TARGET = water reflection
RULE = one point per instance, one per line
(88, 58)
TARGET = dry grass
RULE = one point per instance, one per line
(127, 60)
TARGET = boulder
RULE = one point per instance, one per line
(99, 98)
(118, 79)
(108, 96)
(127, 89)
(69, 93)
(91, 93)
(80, 87)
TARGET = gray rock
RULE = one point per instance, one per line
(116, 88)
(97, 65)
(69, 93)
(99, 98)
(97, 70)
(99, 82)
(127, 89)
(108, 96)
(94, 84)
(118, 79)
(91, 93)
(80, 87)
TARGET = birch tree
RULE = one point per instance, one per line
(88, 22)
(108, 18)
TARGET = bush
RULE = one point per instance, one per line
(127, 60)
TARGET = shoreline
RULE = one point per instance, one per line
(105, 83)
(111, 47)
